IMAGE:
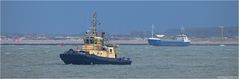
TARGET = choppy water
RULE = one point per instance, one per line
(42, 61)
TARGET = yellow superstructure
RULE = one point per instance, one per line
(94, 44)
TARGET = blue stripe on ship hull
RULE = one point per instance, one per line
(167, 43)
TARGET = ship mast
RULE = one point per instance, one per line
(182, 30)
(94, 24)
(152, 31)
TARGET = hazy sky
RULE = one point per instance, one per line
(73, 17)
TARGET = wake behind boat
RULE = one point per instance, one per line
(96, 50)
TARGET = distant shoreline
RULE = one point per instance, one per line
(120, 42)
(131, 44)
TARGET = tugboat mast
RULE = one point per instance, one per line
(94, 24)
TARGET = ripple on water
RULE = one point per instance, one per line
(20, 48)
(7, 53)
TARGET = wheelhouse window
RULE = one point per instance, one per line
(89, 40)
(86, 41)
(110, 50)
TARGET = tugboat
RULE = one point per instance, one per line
(96, 50)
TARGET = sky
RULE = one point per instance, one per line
(117, 17)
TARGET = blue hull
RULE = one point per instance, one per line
(167, 43)
(87, 59)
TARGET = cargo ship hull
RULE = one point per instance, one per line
(167, 43)
(88, 59)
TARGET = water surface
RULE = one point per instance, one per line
(42, 61)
